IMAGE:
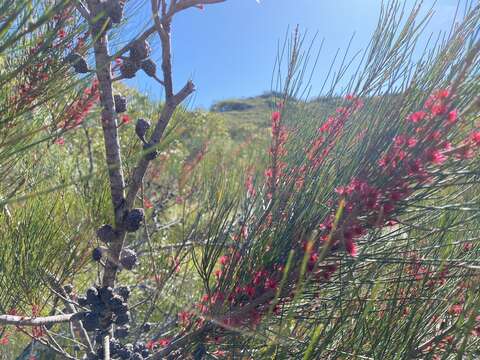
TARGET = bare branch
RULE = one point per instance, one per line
(37, 321)
(144, 36)
(171, 102)
(185, 4)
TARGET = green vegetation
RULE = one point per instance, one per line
(341, 227)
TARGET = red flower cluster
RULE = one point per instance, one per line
(154, 344)
(277, 152)
(78, 111)
(330, 130)
(404, 166)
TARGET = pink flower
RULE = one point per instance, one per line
(250, 186)
(453, 116)
(217, 273)
(249, 290)
(411, 142)
(417, 116)
(125, 119)
(399, 140)
(442, 94)
(351, 248)
(475, 136)
(438, 109)
(60, 141)
(184, 317)
(455, 309)
(276, 116)
(224, 260)
(270, 284)
(147, 204)
(436, 157)
(219, 353)
(218, 297)
(467, 246)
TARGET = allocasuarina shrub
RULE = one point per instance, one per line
(328, 244)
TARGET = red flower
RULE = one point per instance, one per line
(475, 136)
(217, 273)
(224, 260)
(455, 309)
(467, 246)
(399, 140)
(219, 353)
(417, 116)
(125, 119)
(411, 142)
(249, 290)
(184, 317)
(436, 157)
(351, 247)
(453, 116)
(270, 284)
(249, 185)
(147, 204)
(438, 109)
(218, 297)
(442, 94)
(258, 277)
(163, 342)
(276, 116)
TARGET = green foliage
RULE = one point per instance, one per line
(207, 196)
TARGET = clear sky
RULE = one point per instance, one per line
(229, 49)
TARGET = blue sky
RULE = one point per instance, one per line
(229, 49)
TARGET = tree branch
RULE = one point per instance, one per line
(171, 102)
(111, 139)
(185, 4)
(37, 321)
(83, 10)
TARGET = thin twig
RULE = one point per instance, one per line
(36, 321)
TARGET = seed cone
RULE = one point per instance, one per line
(149, 67)
(82, 301)
(123, 319)
(97, 254)
(140, 50)
(120, 103)
(128, 259)
(123, 291)
(114, 10)
(129, 68)
(78, 63)
(122, 331)
(106, 233)
(134, 219)
(141, 128)
(150, 153)
(147, 327)
(91, 321)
